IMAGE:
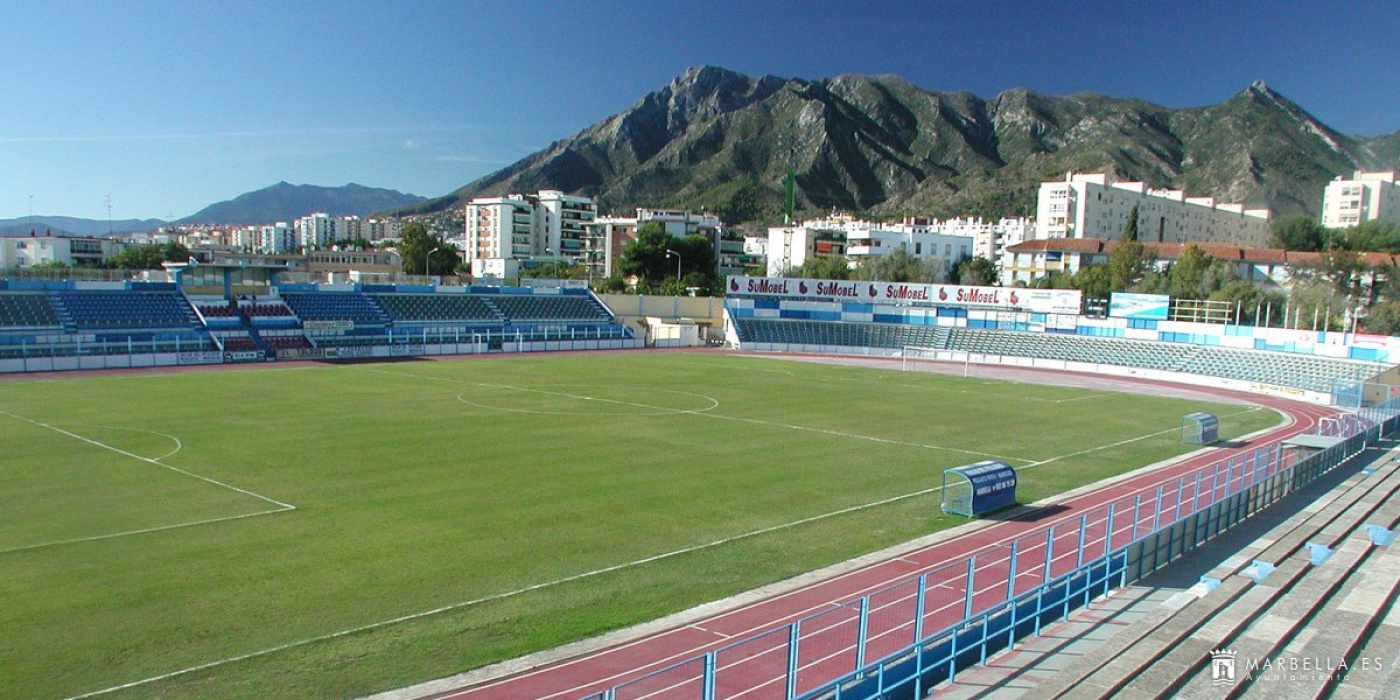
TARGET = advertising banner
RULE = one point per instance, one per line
(1124, 305)
(328, 325)
(1039, 300)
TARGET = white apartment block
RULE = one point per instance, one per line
(567, 221)
(989, 239)
(502, 228)
(790, 247)
(34, 249)
(1094, 206)
(1365, 197)
(315, 231)
(277, 238)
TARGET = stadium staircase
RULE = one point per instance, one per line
(1320, 586)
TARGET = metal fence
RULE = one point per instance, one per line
(922, 630)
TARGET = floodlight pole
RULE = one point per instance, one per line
(669, 253)
(426, 259)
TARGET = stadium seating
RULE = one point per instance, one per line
(272, 310)
(1325, 580)
(217, 311)
(286, 342)
(542, 307)
(238, 343)
(27, 311)
(436, 307)
(335, 306)
(92, 310)
(1277, 368)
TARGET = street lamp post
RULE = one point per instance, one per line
(428, 258)
(669, 253)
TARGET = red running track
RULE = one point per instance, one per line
(824, 659)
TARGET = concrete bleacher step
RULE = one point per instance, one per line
(1335, 634)
(1275, 609)
(1294, 605)
(1130, 661)
(1380, 674)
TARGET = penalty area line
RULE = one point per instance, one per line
(160, 528)
(498, 596)
(149, 460)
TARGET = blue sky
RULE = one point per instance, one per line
(169, 106)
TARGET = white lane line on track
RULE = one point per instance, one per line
(1293, 421)
(456, 606)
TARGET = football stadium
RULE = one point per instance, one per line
(218, 486)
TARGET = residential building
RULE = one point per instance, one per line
(35, 249)
(277, 238)
(565, 222)
(1095, 206)
(842, 234)
(1365, 197)
(1028, 261)
(791, 246)
(316, 231)
(503, 228)
(612, 233)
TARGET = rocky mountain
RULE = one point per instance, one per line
(286, 202)
(71, 226)
(721, 140)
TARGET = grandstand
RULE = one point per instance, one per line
(1320, 585)
(140, 323)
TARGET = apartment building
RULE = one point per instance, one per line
(840, 234)
(1093, 205)
(1364, 197)
(35, 249)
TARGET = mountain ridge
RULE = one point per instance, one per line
(286, 202)
(716, 138)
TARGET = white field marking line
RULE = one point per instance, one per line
(582, 658)
(857, 436)
(178, 445)
(756, 421)
(148, 460)
(1253, 409)
(491, 597)
(801, 613)
(143, 532)
(714, 403)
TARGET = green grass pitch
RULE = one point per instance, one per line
(331, 531)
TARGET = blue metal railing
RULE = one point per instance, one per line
(924, 629)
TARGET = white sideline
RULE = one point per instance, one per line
(497, 596)
(149, 460)
(548, 584)
(509, 594)
(148, 530)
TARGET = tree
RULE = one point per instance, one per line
(978, 272)
(1127, 263)
(1383, 319)
(1297, 232)
(901, 266)
(646, 255)
(822, 267)
(415, 245)
(1187, 274)
(1254, 303)
(1130, 229)
(149, 257)
(1371, 235)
